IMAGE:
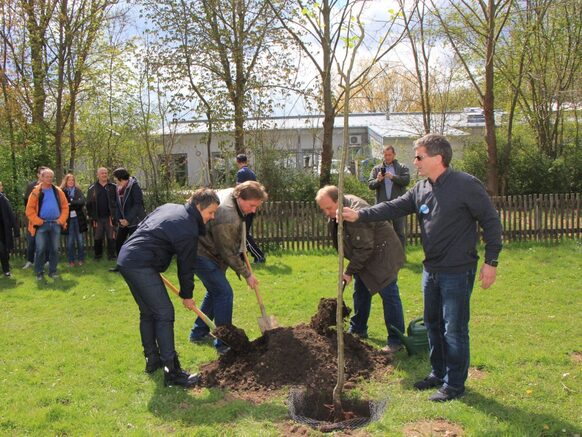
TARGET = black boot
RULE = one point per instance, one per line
(98, 249)
(174, 375)
(110, 249)
(153, 362)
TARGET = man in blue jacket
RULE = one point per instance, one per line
(448, 204)
(169, 230)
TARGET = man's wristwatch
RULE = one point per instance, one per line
(492, 263)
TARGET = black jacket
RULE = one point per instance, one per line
(77, 204)
(9, 223)
(448, 211)
(400, 181)
(92, 200)
(170, 230)
(131, 207)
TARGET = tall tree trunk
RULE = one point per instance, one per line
(36, 30)
(239, 128)
(8, 107)
(59, 117)
(72, 136)
(328, 107)
(489, 105)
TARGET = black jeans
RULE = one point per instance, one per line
(122, 235)
(252, 245)
(4, 257)
(156, 312)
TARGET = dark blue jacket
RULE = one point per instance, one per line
(131, 208)
(169, 230)
(9, 226)
(448, 212)
(245, 174)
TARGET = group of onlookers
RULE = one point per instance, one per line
(114, 210)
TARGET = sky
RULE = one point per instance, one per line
(374, 17)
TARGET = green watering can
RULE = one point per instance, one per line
(417, 340)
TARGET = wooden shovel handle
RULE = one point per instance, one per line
(257, 293)
(200, 314)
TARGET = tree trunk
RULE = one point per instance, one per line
(72, 136)
(489, 105)
(328, 107)
(36, 33)
(341, 362)
(239, 122)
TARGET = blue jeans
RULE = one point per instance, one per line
(156, 312)
(393, 314)
(217, 303)
(47, 239)
(75, 238)
(446, 317)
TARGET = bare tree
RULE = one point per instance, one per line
(233, 48)
(473, 29)
(322, 26)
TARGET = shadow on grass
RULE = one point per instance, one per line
(520, 422)
(9, 283)
(413, 267)
(520, 419)
(274, 269)
(58, 284)
(209, 407)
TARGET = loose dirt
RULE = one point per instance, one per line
(303, 355)
(235, 337)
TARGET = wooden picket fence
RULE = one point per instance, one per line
(298, 226)
(543, 217)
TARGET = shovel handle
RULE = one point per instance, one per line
(199, 313)
(256, 289)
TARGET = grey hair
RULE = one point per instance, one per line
(436, 145)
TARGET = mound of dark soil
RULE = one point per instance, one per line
(235, 337)
(295, 356)
(326, 315)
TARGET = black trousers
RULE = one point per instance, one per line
(156, 312)
(252, 245)
(4, 257)
(122, 235)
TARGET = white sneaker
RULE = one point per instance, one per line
(27, 265)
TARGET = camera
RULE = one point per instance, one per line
(383, 171)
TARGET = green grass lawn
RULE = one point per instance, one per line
(71, 362)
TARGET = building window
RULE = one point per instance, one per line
(176, 167)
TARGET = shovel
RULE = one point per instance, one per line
(266, 322)
(200, 314)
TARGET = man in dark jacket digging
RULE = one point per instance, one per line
(170, 230)
(376, 256)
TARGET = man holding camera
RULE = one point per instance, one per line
(390, 179)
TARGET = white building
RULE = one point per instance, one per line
(299, 138)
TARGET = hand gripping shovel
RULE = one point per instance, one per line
(200, 314)
(266, 322)
(236, 339)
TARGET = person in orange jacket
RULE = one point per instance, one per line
(47, 211)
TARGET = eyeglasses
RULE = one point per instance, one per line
(420, 157)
